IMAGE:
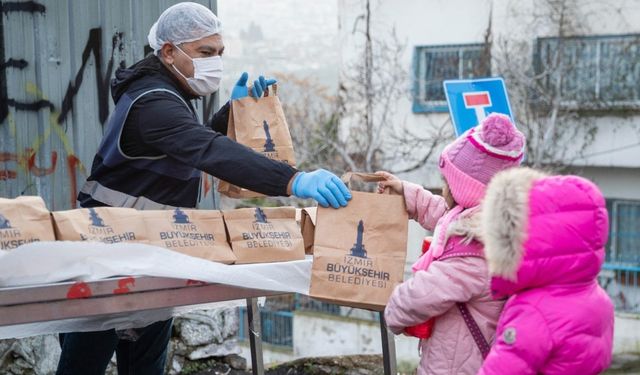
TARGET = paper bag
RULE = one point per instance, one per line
(24, 220)
(199, 233)
(360, 250)
(260, 125)
(261, 235)
(101, 224)
(308, 227)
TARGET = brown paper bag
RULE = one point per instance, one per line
(360, 250)
(199, 233)
(260, 125)
(308, 227)
(261, 235)
(24, 220)
(102, 224)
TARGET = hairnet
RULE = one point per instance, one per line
(182, 23)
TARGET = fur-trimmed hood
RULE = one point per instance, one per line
(541, 230)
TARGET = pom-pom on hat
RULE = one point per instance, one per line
(469, 162)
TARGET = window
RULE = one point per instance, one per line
(595, 70)
(624, 235)
(434, 64)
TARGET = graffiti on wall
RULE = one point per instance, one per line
(23, 161)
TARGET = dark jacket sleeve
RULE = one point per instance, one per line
(165, 125)
(219, 122)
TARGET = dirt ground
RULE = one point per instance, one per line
(372, 365)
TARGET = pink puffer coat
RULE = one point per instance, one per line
(544, 239)
(434, 293)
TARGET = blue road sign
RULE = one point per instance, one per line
(471, 100)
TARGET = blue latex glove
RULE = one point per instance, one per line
(240, 90)
(323, 186)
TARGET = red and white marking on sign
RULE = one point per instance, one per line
(477, 101)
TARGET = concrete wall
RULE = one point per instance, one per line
(324, 335)
(317, 335)
(625, 336)
(327, 335)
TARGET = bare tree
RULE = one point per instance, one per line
(371, 135)
(312, 116)
(550, 101)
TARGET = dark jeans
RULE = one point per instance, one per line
(89, 353)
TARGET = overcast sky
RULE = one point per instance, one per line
(270, 37)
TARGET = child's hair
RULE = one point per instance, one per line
(448, 197)
(469, 162)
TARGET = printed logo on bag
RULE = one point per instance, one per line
(99, 231)
(260, 216)
(358, 248)
(11, 237)
(4, 223)
(179, 217)
(265, 233)
(96, 220)
(269, 145)
(185, 234)
(357, 268)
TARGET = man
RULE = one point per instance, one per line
(152, 155)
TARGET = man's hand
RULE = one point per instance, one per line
(323, 186)
(392, 182)
(240, 90)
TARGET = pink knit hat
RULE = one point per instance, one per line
(469, 162)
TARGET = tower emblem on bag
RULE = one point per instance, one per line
(4, 223)
(96, 221)
(358, 249)
(260, 216)
(179, 217)
(269, 146)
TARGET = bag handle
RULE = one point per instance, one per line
(364, 177)
(273, 87)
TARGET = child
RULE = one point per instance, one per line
(451, 281)
(544, 239)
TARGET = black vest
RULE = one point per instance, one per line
(142, 182)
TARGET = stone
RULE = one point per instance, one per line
(207, 326)
(215, 350)
(176, 366)
(236, 361)
(33, 355)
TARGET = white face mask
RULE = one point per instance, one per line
(207, 73)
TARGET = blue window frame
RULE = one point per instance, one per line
(596, 70)
(434, 64)
(624, 233)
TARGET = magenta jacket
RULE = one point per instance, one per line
(544, 244)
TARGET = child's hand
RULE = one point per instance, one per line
(392, 182)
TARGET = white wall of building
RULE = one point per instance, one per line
(317, 335)
(440, 22)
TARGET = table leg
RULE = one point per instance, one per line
(388, 348)
(255, 339)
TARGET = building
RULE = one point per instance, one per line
(448, 40)
(580, 57)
